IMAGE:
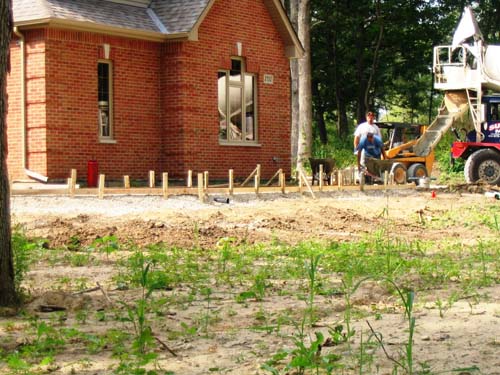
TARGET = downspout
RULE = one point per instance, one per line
(29, 173)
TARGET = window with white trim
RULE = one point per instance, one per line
(105, 100)
(237, 104)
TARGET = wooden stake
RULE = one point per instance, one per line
(302, 176)
(320, 177)
(386, 178)
(362, 181)
(205, 180)
(339, 178)
(151, 179)
(257, 183)
(282, 181)
(190, 179)
(201, 194)
(102, 180)
(272, 178)
(72, 186)
(165, 185)
(231, 182)
(126, 182)
(250, 176)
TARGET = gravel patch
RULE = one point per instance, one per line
(118, 205)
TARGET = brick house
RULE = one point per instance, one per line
(139, 85)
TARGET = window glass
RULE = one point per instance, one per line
(235, 70)
(103, 81)
(494, 112)
(235, 118)
(104, 99)
(236, 104)
(249, 108)
(222, 105)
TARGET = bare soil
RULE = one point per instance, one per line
(468, 335)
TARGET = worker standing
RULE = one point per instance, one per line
(366, 127)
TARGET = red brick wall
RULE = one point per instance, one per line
(36, 157)
(72, 120)
(164, 100)
(191, 124)
(14, 129)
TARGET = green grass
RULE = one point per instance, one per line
(157, 279)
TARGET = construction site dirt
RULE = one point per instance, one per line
(467, 337)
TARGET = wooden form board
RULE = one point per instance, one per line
(194, 190)
(344, 180)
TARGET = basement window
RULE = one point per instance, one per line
(105, 101)
(237, 105)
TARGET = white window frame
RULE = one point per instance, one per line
(241, 85)
(101, 105)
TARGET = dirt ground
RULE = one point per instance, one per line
(292, 218)
(468, 336)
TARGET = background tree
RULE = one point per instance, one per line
(293, 13)
(8, 295)
(377, 55)
(305, 96)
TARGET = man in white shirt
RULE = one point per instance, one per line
(366, 127)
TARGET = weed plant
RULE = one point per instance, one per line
(170, 278)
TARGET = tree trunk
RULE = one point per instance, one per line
(294, 74)
(8, 296)
(319, 114)
(368, 101)
(305, 98)
(342, 124)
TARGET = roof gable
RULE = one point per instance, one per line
(145, 19)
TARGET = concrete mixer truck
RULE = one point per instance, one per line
(468, 71)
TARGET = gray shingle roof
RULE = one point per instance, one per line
(177, 16)
(161, 19)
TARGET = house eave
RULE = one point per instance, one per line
(102, 29)
(293, 47)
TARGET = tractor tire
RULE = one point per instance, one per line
(398, 170)
(483, 165)
(416, 172)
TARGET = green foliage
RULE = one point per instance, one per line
(341, 150)
(106, 244)
(451, 170)
(25, 252)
